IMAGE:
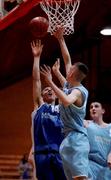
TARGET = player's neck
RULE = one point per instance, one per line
(74, 83)
(50, 103)
(101, 123)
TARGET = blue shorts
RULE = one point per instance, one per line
(74, 151)
(49, 167)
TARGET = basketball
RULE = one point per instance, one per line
(39, 26)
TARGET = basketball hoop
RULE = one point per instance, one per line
(60, 13)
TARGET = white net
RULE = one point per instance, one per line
(60, 13)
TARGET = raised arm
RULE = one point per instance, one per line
(65, 53)
(36, 50)
(56, 70)
(65, 99)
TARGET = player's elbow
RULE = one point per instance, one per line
(67, 102)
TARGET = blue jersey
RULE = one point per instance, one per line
(100, 142)
(47, 128)
(73, 116)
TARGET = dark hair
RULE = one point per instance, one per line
(82, 67)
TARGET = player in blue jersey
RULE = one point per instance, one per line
(99, 135)
(46, 126)
(75, 147)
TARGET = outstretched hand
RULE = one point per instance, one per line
(46, 72)
(36, 48)
(56, 66)
(59, 32)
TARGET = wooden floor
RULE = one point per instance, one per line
(9, 167)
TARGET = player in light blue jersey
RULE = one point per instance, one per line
(75, 147)
(99, 135)
(46, 126)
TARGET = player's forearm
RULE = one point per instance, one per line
(36, 83)
(59, 93)
(65, 52)
(60, 77)
(36, 69)
(37, 99)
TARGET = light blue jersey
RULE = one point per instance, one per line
(100, 146)
(100, 142)
(75, 147)
(73, 116)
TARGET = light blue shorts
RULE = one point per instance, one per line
(105, 174)
(74, 151)
(98, 172)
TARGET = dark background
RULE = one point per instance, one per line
(86, 45)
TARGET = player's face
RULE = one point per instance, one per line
(96, 110)
(48, 95)
(72, 73)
